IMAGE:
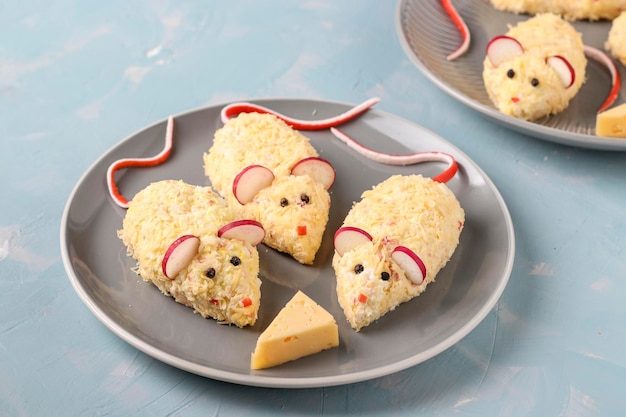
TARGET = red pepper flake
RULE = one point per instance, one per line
(215, 302)
(362, 298)
(246, 302)
(301, 230)
(460, 225)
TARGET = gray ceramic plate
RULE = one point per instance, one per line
(464, 292)
(428, 35)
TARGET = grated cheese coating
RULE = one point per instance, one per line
(263, 139)
(542, 36)
(166, 210)
(616, 42)
(569, 9)
(411, 211)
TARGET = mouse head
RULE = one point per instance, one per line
(356, 243)
(292, 208)
(373, 274)
(224, 267)
(526, 84)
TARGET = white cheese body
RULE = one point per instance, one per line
(166, 210)
(527, 87)
(293, 209)
(412, 211)
(569, 9)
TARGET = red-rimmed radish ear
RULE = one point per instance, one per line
(502, 49)
(411, 264)
(317, 168)
(246, 230)
(348, 238)
(563, 68)
(179, 254)
(250, 181)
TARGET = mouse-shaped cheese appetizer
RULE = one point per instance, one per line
(270, 172)
(616, 42)
(536, 68)
(193, 247)
(392, 244)
(569, 9)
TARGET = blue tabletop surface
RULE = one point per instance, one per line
(78, 77)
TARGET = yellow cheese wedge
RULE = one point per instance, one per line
(300, 329)
(612, 122)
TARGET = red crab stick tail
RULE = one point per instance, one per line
(410, 159)
(158, 159)
(460, 24)
(616, 82)
(234, 109)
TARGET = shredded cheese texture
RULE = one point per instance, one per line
(616, 42)
(291, 203)
(526, 87)
(166, 210)
(569, 9)
(412, 211)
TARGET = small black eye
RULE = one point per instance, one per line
(210, 273)
(305, 198)
(235, 261)
(284, 202)
(510, 73)
(534, 82)
(358, 269)
(384, 276)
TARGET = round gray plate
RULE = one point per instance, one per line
(464, 292)
(428, 35)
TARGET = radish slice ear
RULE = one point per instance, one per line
(317, 168)
(249, 231)
(411, 264)
(250, 181)
(502, 49)
(348, 238)
(563, 68)
(179, 254)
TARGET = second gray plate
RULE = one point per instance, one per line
(428, 35)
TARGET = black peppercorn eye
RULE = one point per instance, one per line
(534, 82)
(210, 273)
(358, 268)
(235, 261)
(284, 202)
(510, 73)
(385, 276)
(305, 198)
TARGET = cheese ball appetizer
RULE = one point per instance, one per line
(270, 172)
(194, 248)
(569, 9)
(392, 244)
(616, 42)
(536, 68)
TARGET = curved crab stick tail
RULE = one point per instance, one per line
(390, 159)
(120, 164)
(460, 24)
(234, 109)
(616, 82)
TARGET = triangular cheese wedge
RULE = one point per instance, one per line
(300, 329)
(612, 122)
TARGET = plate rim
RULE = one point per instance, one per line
(546, 133)
(273, 381)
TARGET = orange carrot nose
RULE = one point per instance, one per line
(301, 230)
(515, 99)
